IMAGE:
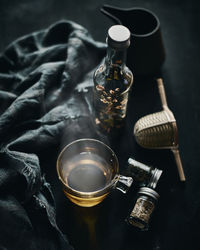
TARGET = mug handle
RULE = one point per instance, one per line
(124, 183)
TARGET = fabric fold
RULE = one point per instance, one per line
(46, 102)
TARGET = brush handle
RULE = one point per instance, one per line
(179, 164)
(161, 90)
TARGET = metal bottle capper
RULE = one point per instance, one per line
(112, 81)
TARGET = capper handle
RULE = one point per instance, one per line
(178, 163)
(161, 90)
(175, 151)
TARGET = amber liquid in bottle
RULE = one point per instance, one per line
(112, 82)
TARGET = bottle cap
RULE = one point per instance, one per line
(118, 37)
(149, 192)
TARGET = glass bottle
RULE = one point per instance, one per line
(112, 81)
(144, 175)
(143, 209)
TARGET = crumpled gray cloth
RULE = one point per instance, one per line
(45, 102)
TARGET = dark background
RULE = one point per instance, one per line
(176, 222)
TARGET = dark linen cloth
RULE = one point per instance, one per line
(45, 102)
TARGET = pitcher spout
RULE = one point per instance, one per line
(116, 14)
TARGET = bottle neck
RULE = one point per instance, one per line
(115, 58)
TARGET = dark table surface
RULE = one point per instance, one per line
(176, 221)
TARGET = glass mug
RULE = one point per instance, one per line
(88, 170)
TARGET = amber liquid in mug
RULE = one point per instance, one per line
(87, 172)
